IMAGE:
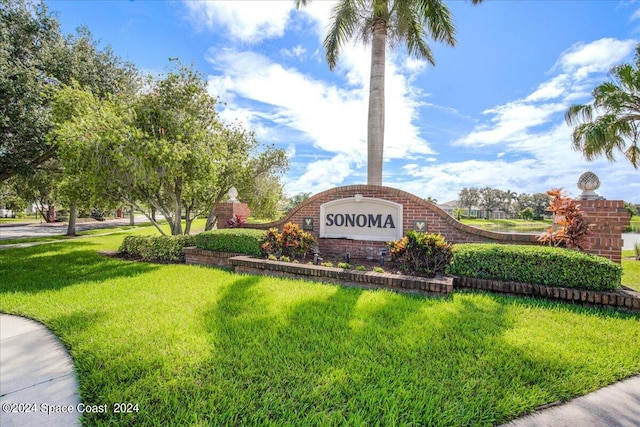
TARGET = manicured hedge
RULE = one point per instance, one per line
(156, 248)
(540, 265)
(236, 240)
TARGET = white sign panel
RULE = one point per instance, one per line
(361, 218)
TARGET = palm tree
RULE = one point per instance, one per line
(380, 22)
(611, 122)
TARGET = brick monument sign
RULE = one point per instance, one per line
(360, 219)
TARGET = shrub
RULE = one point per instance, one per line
(292, 242)
(344, 265)
(236, 221)
(378, 269)
(156, 248)
(574, 229)
(421, 253)
(235, 240)
(535, 264)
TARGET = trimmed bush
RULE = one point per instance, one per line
(422, 254)
(535, 264)
(156, 248)
(236, 240)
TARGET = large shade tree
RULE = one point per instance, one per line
(610, 124)
(166, 148)
(36, 59)
(385, 23)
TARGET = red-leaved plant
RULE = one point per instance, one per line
(571, 228)
(236, 221)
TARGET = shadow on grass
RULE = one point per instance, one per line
(55, 266)
(349, 356)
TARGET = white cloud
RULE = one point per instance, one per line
(551, 89)
(297, 51)
(322, 175)
(247, 20)
(517, 120)
(510, 122)
(599, 56)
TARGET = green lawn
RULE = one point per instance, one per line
(514, 225)
(631, 270)
(202, 346)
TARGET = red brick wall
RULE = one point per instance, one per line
(415, 209)
(226, 211)
(608, 216)
(609, 219)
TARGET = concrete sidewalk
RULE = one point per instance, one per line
(36, 376)
(617, 405)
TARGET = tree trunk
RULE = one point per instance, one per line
(132, 216)
(375, 130)
(73, 214)
(177, 226)
(189, 220)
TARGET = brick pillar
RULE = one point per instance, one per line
(609, 219)
(226, 211)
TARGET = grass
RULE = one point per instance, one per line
(631, 270)
(515, 225)
(201, 346)
(634, 226)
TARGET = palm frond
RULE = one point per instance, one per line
(578, 114)
(301, 3)
(344, 25)
(435, 16)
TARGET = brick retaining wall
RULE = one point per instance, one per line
(625, 299)
(439, 286)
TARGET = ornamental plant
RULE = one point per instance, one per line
(292, 242)
(236, 221)
(571, 228)
(421, 253)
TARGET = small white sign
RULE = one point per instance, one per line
(361, 218)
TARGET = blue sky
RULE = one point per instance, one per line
(490, 113)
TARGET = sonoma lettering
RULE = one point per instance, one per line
(360, 220)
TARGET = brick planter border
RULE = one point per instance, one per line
(624, 299)
(438, 286)
(195, 256)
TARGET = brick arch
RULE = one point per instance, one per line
(414, 209)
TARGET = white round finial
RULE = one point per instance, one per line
(588, 183)
(233, 195)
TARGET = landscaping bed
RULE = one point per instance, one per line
(437, 286)
(625, 298)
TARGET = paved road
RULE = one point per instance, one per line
(16, 231)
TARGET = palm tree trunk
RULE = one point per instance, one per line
(375, 134)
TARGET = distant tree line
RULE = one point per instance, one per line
(513, 205)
